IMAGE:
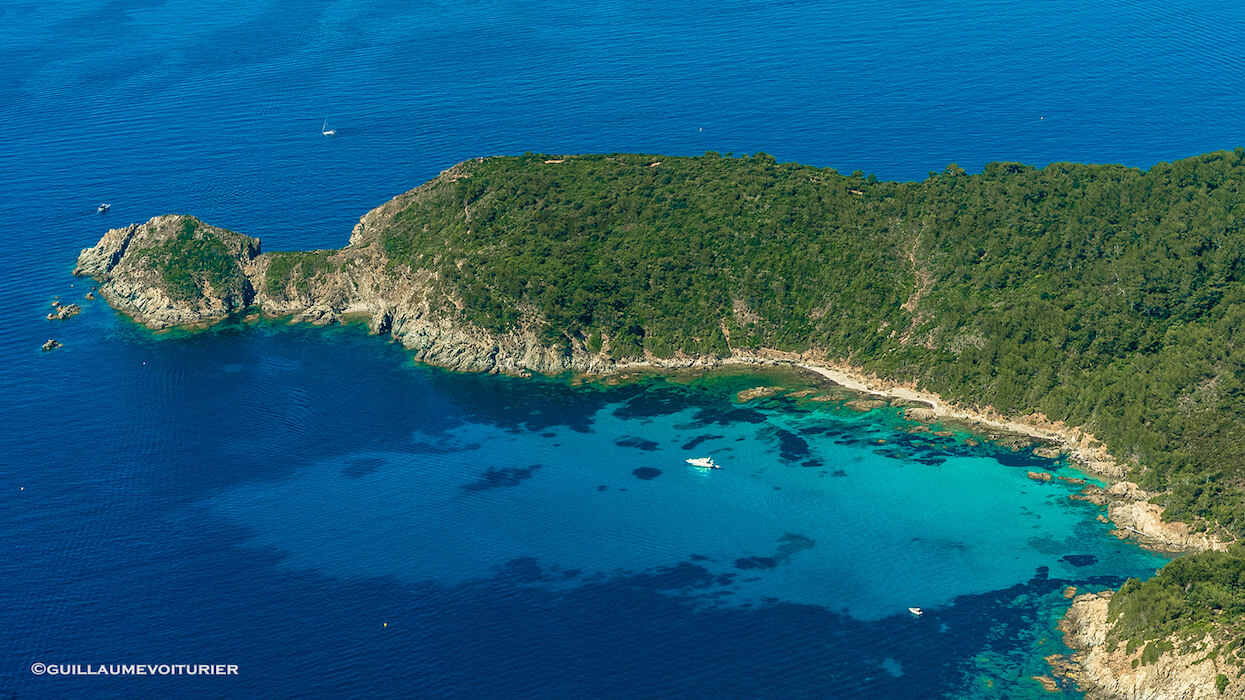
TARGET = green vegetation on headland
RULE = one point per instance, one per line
(297, 269)
(1188, 599)
(193, 256)
(654, 257)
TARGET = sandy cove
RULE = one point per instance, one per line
(1128, 506)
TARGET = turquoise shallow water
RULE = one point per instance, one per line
(271, 497)
(815, 506)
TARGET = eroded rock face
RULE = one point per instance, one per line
(101, 259)
(1144, 521)
(1135, 517)
(1101, 671)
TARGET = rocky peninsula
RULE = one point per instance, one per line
(138, 267)
(919, 293)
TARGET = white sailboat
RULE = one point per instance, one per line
(324, 128)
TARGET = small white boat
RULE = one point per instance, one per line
(324, 129)
(103, 207)
(703, 463)
(916, 611)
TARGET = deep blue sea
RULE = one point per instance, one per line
(313, 507)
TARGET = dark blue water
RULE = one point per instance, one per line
(313, 508)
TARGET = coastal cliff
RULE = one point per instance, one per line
(1104, 668)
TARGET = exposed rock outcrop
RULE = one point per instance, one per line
(1105, 671)
(756, 392)
(172, 270)
(1135, 517)
(63, 312)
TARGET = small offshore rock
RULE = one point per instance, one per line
(756, 393)
(1038, 476)
(89, 295)
(1047, 452)
(1069, 592)
(1092, 493)
(52, 344)
(1015, 443)
(924, 414)
(64, 312)
(1048, 683)
(1071, 480)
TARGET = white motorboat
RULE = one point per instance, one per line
(916, 611)
(703, 463)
